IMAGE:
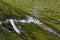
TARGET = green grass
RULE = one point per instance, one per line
(46, 8)
(31, 31)
(8, 11)
(35, 32)
(9, 36)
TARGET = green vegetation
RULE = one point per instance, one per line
(8, 11)
(35, 32)
(9, 36)
(48, 11)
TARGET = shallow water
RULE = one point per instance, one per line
(0, 22)
(17, 30)
(14, 26)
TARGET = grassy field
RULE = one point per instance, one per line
(9, 36)
(31, 31)
(48, 11)
(35, 32)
